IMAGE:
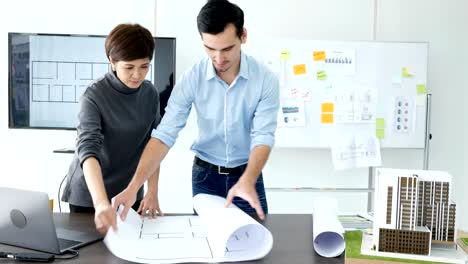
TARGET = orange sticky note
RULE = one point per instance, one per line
(299, 69)
(328, 107)
(327, 119)
(319, 55)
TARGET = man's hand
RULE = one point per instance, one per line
(150, 204)
(126, 198)
(105, 217)
(246, 190)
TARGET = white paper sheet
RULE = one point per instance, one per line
(218, 234)
(328, 231)
(354, 149)
(293, 113)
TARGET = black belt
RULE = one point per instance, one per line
(220, 169)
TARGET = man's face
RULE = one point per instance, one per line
(224, 49)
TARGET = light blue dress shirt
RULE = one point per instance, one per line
(232, 119)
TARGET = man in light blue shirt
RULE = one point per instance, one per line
(236, 99)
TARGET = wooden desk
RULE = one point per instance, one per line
(292, 235)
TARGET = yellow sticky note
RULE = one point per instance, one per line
(319, 55)
(380, 133)
(328, 107)
(421, 88)
(380, 123)
(321, 75)
(285, 55)
(406, 72)
(327, 119)
(299, 69)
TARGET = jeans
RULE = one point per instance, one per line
(209, 181)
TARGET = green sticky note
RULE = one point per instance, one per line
(321, 75)
(421, 88)
(405, 72)
(285, 55)
(380, 133)
(380, 123)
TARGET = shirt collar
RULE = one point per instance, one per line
(243, 71)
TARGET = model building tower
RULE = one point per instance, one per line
(412, 211)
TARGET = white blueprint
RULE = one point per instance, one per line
(218, 234)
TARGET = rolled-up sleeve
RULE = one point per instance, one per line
(265, 117)
(90, 138)
(178, 109)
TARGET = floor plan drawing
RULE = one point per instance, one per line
(216, 234)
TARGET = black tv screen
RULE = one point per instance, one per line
(49, 72)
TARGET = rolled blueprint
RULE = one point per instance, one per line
(327, 229)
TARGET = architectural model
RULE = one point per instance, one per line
(413, 210)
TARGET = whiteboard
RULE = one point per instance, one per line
(395, 73)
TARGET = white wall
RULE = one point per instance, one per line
(27, 158)
(27, 154)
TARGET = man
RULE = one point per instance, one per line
(236, 99)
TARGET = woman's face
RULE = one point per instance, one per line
(131, 73)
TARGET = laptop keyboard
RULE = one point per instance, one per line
(66, 243)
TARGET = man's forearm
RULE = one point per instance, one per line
(154, 153)
(257, 160)
(153, 183)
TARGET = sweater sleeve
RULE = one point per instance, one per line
(90, 137)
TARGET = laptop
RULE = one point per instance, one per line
(26, 221)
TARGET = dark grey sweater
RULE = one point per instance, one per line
(115, 123)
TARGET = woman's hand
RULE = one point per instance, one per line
(105, 217)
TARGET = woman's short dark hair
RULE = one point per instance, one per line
(215, 15)
(127, 42)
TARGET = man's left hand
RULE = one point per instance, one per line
(150, 204)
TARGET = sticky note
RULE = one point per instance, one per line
(328, 107)
(421, 88)
(285, 55)
(321, 75)
(380, 133)
(319, 55)
(327, 119)
(299, 69)
(380, 123)
(406, 72)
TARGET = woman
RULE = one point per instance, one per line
(117, 114)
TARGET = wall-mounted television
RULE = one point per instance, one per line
(49, 72)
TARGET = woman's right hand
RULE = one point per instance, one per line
(105, 217)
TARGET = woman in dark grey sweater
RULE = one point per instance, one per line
(117, 115)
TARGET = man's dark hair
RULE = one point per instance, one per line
(127, 42)
(215, 15)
